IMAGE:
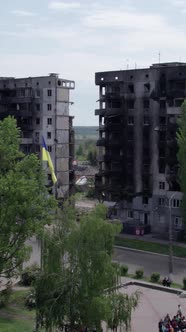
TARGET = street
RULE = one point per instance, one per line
(134, 260)
(150, 263)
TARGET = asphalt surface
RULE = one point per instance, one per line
(134, 260)
(150, 263)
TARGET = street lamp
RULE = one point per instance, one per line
(170, 262)
(170, 236)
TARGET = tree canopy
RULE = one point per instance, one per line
(78, 271)
(24, 200)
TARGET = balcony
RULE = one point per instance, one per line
(102, 128)
(174, 110)
(101, 142)
(16, 100)
(112, 94)
(25, 126)
(26, 140)
(100, 158)
(114, 142)
(113, 112)
(113, 127)
(100, 111)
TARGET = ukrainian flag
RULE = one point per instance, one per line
(46, 157)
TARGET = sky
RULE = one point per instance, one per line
(76, 38)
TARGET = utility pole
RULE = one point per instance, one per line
(170, 237)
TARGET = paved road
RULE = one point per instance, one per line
(134, 259)
(151, 263)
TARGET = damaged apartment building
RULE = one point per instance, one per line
(138, 168)
(41, 108)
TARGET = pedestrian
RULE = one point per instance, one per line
(179, 312)
(160, 325)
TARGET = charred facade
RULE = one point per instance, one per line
(41, 108)
(138, 111)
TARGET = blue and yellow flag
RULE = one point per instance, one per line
(46, 157)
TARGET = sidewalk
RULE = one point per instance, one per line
(127, 281)
(150, 238)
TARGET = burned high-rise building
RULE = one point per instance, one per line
(41, 108)
(138, 111)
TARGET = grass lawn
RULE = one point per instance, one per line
(15, 317)
(150, 246)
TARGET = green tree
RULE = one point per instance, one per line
(92, 157)
(24, 202)
(181, 155)
(79, 152)
(120, 310)
(77, 271)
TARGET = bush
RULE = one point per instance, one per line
(30, 301)
(184, 283)
(124, 270)
(5, 296)
(139, 274)
(155, 277)
(29, 275)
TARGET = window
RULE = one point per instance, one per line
(49, 121)
(37, 83)
(37, 136)
(38, 121)
(130, 120)
(116, 104)
(130, 214)
(161, 166)
(49, 134)
(37, 107)
(49, 148)
(146, 103)
(131, 88)
(162, 136)
(145, 200)
(178, 102)
(130, 103)
(146, 120)
(49, 107)
(162, 104)
(37, 148)
(162, 152)
(103, 90)
(49, 92)
(161, 201)
(162, 120)
(178, 222)
(146, 218)
(146, 87)
(49, 177)
(162, 185)
(22, 92)
(176, 203)
(37, 93)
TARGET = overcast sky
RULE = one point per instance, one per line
(78, 38)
